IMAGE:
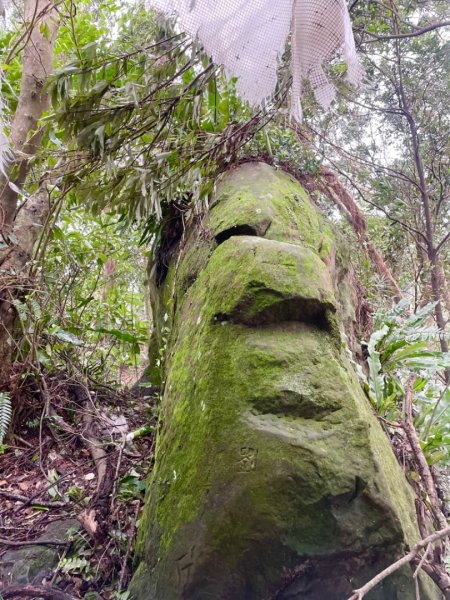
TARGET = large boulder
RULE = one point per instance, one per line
(31, 564)
(273, 478)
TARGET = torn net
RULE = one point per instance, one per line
(248, 37)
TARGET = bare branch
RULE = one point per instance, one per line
(443, 242)
(408, 558)
(19, 543)
(20, 498)
(402, 36)
(423, 468)
(337, 193)
(409, 228)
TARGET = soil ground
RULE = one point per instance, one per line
(50, 471)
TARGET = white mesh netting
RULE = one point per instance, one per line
(248, 38)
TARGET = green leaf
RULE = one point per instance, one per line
(45, 30)
(376, 379)
(122, 336)
(66, 336)
(5, 415)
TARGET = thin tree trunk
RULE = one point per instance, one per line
(28, 226)
(432, 253)
(14, 277)
(25, 138)
(21, 226)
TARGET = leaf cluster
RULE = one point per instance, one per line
(86, 313)
(402, 345)
(5, 415)
(146, 121)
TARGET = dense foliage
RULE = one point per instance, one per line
(404, 344)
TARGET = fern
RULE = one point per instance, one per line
(402, 345)
(5, 414)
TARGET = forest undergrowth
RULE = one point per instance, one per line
(78, 458)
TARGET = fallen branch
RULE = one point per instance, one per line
(96, 448)
(89, 436)
(31, 502)
(18, 543)
(102, 461)
(34, 591)
(408, 558)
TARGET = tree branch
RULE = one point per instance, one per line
(424, 469)
(442, 242)
(408, 558)
(21, 498)
(337, 193)
(402, 36)
(20, 543)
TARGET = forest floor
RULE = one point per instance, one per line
(72, 485)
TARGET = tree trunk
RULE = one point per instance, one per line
(34, 100)
(272, 477)
(437, 279)
(20, 227)
(14, 277)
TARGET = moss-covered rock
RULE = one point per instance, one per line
(258, 197)
(272, 477)
(266, 281)
(32, 563)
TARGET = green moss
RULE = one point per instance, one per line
(274, 204)
(307, 465)
(266, 281)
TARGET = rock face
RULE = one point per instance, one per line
(31, 564)
(273, 479)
